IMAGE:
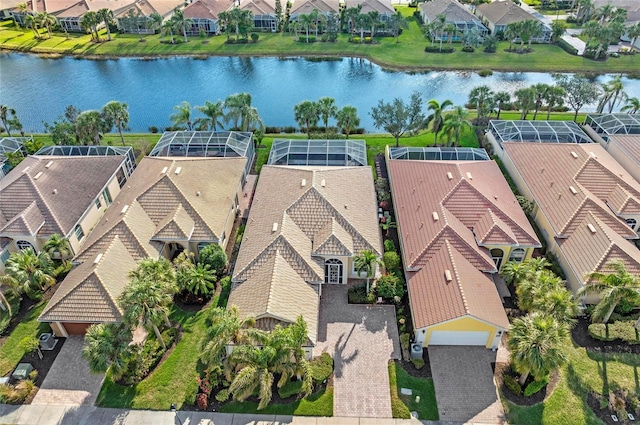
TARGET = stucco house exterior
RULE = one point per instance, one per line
(458, 224)
(500, 13)
(264, 14)
(455, 13)
(204, 15)
(304, 7)
(136, 18)
(305, 226)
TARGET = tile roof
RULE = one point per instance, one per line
(452, 9)
(89, 292)
(504, 12)
(27, 223)
(384, 7)
(630, 144)
(259, 7)
(206, 9)
(176, 225)
(62, 192)
(333, 239)
(308, 6)
(621, 201)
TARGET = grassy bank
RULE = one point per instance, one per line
(10, 351)
(407, 54)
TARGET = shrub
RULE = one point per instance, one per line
(535, 387)
(202, 401)
(146, 356)
(626, 306)
(223, 395)
(16, 394)
(567, 47)
(33, 375)
(555, 265)
(391, 261)
(389, 286)
(436, 49)
(513, 385)
(215, 257)
(254, 37)
(28, 344)
(153, 129)
(622, 330)
(358, 295)
(321, 367)
(389, 246)
(468, 49)
(289, 129)
(240, 234)
(418, 363)
(404, 345)
(485, 72)
(290, 389)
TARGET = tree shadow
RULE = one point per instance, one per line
(339, 359)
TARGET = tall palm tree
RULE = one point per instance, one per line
(224, 19)
(615, 87)
(374, 21)
(536, 343)
(167, 28)
(540, 92)
(397, 23)
(554, 96)
(213, 115)
(480, 96)
(89, 125)
(89, 21)
(182, 115)
(366, 261)
(454, 123)
(525, 101)
(181, 22)
(501, 98)
(326, 109)
(6, 114)
(32, 22)
(47, 20)
(106, 15)
(106, 346)
(633, 32)
(632, 106)
(116, 113)
(613, 288)
(306, 115)
(58, 248)
(362, 22)
(29, 272)
(157, 19)
(306, 20)
(240, 110)
(436, 117)
(199, 280)
(347, 119)
(224, 326)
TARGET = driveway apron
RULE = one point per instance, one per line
(361, 339)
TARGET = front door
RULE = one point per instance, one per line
(333, 271)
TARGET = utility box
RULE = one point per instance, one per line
(47, 341)
(416, 351)
(22, 371)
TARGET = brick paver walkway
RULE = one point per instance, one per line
(361, 339)
(69, 381)
(465, 389)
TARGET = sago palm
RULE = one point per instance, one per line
(224, 327)
(106, 345)
(58, 248)
(30, 273)
(366, 261)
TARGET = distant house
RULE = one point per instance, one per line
(383, 7)
(264, 13)
(458, 224)
(70, 17)
(204, 15)
(10, 9)
(56, 194)
(500, 13)
(304, 7)
(455, 13)
(136, 17)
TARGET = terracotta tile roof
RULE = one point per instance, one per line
(490, 230)
(206, 9)
(81, 7)
(307, 6)
(62, 192)
(630, 144)
(28, 222)
(568, 180)
(259, 7)
(277, 291)
(504, 12)
(622, 202)
(470, 292)
(89, 292)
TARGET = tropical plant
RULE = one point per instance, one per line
(89, 125)
(214, 256)
(366, 261)
(558, 28)
(180, 22)
(58, 248)
(182, 115)
(198, 280)
(525, 101)
(240, 111)
(116, 114)
(554, 96)
(398, 117)
(306, 115)
(326, 109)
(89, 22)
(32, 22)
(615, 287)
(536, 343)
(480, 96)
(579, 91)
(157, 19)
(46, 20)
(105, 15)
(106, 346)
(347, 119)
(396, 24)
(539, 93)
(612, 92)
(213, 116)
(29, 272)
(306, 21)
(9, 119)
(387, 224)
(500, 99)
(167, 28)
(534, 287)
(558, 303)
(436, 118)
(224, 326)
(632, 106)
(454, 123)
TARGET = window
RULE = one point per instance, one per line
(202, 245)
(517, 255)
(78, 232)
(24, 245)
(496, 255)
(4, 256)
(631, 222)
(107, 196)
(122, 179)
(98, 203)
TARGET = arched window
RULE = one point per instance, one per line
(517, 255)
(333, 271)
(632, 222)
(497, 254)
(22, 245)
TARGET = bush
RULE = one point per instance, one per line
(16, 394)
(358, 295)
(389, 246)
(567, 47)
(215, 257)
(202, 401)
(223, 395)
(418, 363)
(622, 330)
(485, 72)
(391, 261)
(535, 387)
(468, 49)
(321, 367)
(625, 306)
(436, 49)
(153, 129)
(146, 356)
(389, 286)
(404, 345)
(254, 37)
(289, 129)
(513, 385)
(290, 389)
(29, 344)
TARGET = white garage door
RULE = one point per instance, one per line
(458, 338)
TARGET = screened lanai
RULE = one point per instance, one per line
(537, 131)
(126, 151)
(318, 152)
(8, 145)
(439, 154)
(608, 124)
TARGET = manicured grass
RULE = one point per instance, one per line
(585, 372)
(10, 352)
(317, 404)
(407, 54)
(14, 302)
(427, 408)
(542, 116)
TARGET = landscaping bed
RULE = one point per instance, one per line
(603, 407)
(502, 370)
(580, 335)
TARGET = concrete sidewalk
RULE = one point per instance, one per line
(90, 415)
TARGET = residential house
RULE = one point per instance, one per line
(383, 7)
(585, 204)
(458, 224)
(204, 15)
(69, 18)
(304, 7)
(455, 14)
(305, 226)
(500, 13)
(11, 9)
(52, 194)
(136, 17)
(169, 205)
(264, 14)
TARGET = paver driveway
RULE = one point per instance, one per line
(361, 339)
(465, 389)
(69, 381)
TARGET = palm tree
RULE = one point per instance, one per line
(396, 23)
(106, 15)
(436, 116)
(89, 125)
(613, 288)
(29, 272)
(450, 30)
(116, 113)
(501, 98)
(559, 304)
(347, 119)
(362, 22)
(213, 115)
(306, 115)
(479, 96)
(534, 286)
(514, 272)
(540, 92)
(240, 110)
(106, 345)
(181, 22)
(5, 112)
(168, 28)
(224, 19)
(326, 109)
(47, 20)
(89, 21)
(366, 261)
(199, 280)
(157, 19)
(585, 8)
(374, 20)
(632, 106)
(454, 123)
(305, 21)
(615, 88)
(554, 96)
(58, 248)
(536, 343)
(224, 326)
(182, 115)
(32, 22)
(525, 100)
(633, 31)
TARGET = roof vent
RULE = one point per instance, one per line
(54, 191)
(449, 175)
(542, 170)
(304, 182)
(178, 170)
(573, 190)
(447, 275)
(593, 155)
(37, 176)
(274, 228)
(573, 154)
(591, 228)
(124, 209)
(98, 258)
(49, 164)
(323, 183)
(435, 216)
(198, 193)
(346, 206)
(469, 176)
(164, 170)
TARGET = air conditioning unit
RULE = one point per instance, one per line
(416, 351)
(47, 341)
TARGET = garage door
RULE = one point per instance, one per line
(458, 338)
(76, 328)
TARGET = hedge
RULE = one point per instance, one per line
(289, 389)
(435, 49)
(622, 330)
(567, 47)
(321, 367)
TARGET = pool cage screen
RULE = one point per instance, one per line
(439, 154)
(538, 131)
(318, 152)
(609, 124)
(126, 151)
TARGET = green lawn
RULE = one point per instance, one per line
(317, 404)
(407, 54)
(584, 373)
(427, 408)
(10, 353)
(14, 301)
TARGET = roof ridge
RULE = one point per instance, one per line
(575, 214)
(42, 200)
(272, 284)
(102, 259)
(455, 271)
(611, 243)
